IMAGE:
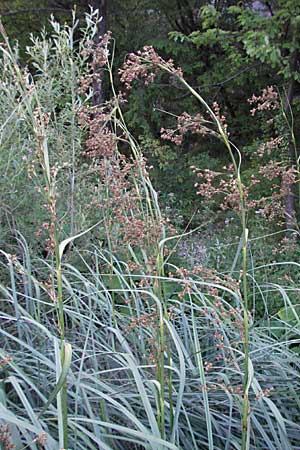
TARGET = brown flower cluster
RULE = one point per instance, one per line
(273, 207)
(265, 149)
(285, 246)
(150, 321)
(42, 118)
(272, 170)
(185, 124)
(145, 65)
(121, 201)
(120, 193)
(223, 187)
(220, 183)
(221, 118)
(265, 393)
(145, 320)
(101, 141)
(5, 438)
(229, 388)
(212, 276)
(208, 275)
(96, 57)
(50, 227)
(41, 439)
(7, 359)
(267, 101)
(218, 316)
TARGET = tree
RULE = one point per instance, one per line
(257, 43)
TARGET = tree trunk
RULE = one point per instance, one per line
(101, 5)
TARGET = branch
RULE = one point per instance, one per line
(212, 85)
(33, 10)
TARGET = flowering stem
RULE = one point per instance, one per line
(245, 410)
(158, 288)
(43, 156)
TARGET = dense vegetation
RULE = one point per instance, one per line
(149, 225)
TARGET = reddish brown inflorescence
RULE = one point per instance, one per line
(145, 65)
(185, 124)
(267, 101)
(5, 438)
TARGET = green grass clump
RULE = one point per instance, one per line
(113, 362)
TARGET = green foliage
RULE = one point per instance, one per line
(52, 92)
(112, 396)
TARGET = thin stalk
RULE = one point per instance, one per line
(61, 322)
(198, 355)
(170, 386)
(158, 288)
(161, 377)
(295, 158)
(245, 410)
(40, 136)
(73, 154)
